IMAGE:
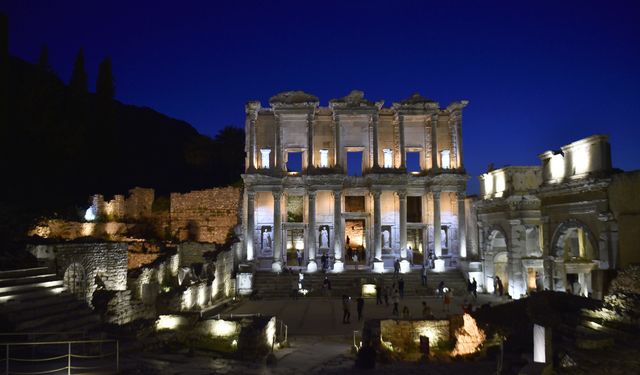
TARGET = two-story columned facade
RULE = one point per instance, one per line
(357, 182)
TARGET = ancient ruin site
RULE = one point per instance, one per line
(473, 209)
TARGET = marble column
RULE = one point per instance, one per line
(374, 120)
(249, 241)
(310, 141)
(252, 115)
(434, 141)
(402, 196)
(377, 221)
(312, 234)
(338, 235)
(277, 233)
(338, 147)
(462, 226)
(403, 153)
(437, 240)
(279, 157)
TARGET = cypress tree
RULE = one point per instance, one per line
(79, 82)
(105, 88)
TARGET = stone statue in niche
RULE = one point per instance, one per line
(444, 238)
(324, 237)
(266, 241)
(386, 239)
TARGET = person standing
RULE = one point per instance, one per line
(446, 301)
(424, 275)
(346, 309)
(500, 286)
(378, 293)
(386, 296)
(360, 307)
(441, 288)
(326, 285)
(396, 268)
(299, 257)
(401, 287)
(410, 255)
(396, 302)
(323, 260)
(294, 287)
(426, 311)
(474, 288)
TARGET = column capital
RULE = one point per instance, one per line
(461, 195)
(277, 195)
(251, 193)
(376, 194)
(436, 194)
(336, 193)
(311, 193)
(402, 194)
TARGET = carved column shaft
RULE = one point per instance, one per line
(377, 221)
(311, 232)
(403, 224)
(403, 154)
(337, 225)
(437, 240)
(376, 163)
(277, 228)
(280, 165)
(310, 150)
(249, 241)
(338, 147)
(434, 141)
(462, 226)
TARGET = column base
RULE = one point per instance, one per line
(438, 265)
(338, 266)
(378, 267)
(405, 266)
(276, 267)
(312, 266)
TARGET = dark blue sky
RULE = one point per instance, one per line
(537, 76)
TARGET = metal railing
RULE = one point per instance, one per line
(48, 357)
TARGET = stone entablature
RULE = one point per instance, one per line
(585, 157)
(410, 187)
(520, 180)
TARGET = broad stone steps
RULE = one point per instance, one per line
(36, 300)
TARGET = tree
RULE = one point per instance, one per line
(43, 60)
(79, 81)
(105, 88)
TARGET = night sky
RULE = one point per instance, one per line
(537, 76)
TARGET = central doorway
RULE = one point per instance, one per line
(355, 242)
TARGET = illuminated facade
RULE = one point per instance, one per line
(550, 226)
(354, 181)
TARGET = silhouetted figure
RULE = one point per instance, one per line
(360, 307)
(401, 287)
(396, 302)
(378, 294)
(500, 286)
(474, 288)
(423, 275)
(346, 309)
(396, 268)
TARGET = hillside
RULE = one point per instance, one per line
(58, 147)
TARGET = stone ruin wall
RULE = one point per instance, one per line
(205, 215)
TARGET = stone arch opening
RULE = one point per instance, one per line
(75, 279)
(573, 240)
(500, 269)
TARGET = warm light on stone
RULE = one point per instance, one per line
(368, 290)
(469, 338)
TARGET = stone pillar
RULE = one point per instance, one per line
(310, 150)
(338, 147)
(312, 234)
(462, 226)
(277, 233)
(403, 153)
(374, 120)
(437, 240)
(338, 235)
(251, 110)
(434, 142)
(249, 242)
(402, 196)
(377, 221)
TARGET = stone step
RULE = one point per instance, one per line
(27, 279)
(20, 288)
(81, 323)
(19, 307)
(31, 293)
(52, 308)
(46, 320)
(24, 272)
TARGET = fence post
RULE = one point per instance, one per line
(69, 360)
(117, 356)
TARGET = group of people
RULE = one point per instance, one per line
(346, 308)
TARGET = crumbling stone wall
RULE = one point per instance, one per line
(107, 260)
(405, 335)
(118, 307)
(205, 215)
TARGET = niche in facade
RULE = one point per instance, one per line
(387, 158)
(445, 159)
(354, 203)
(324, 237)
(264, 158)
(294, 208)
(294, 162)
(324, 158)
(266, 240)
(444, 239)
(385, 232)
(354, 163)
(413, 161)
(414, 209)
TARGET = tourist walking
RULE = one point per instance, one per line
(360, 307)
(424, 275)
(346, 309)
(323, 261)
(299, 257)
(396, 302)
(440, 288)
(396, 268)
(474, 288)
(410, 255)
(446, 301)
(401, 287)
(378, 293)
(326, 286)
(500, 286)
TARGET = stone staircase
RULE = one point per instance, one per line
(35, 300)
(271, 285)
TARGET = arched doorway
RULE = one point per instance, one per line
(75, 280)
(574, 248)
(500, 263)
(498, 256)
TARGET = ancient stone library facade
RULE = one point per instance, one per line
(355, 183)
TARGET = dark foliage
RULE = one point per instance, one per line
(60, 145)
